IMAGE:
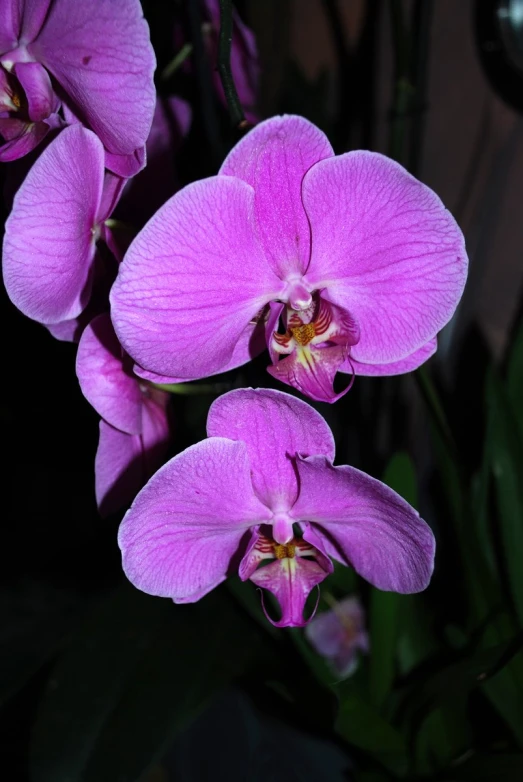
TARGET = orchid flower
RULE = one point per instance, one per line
(261, 497)
(135, 425)
(65, 61)
(339, 635)
(59, 213)
(341, 263)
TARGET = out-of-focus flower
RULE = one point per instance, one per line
(66, 61)
(343, 263)
(135, 425)
(59, 213)
(145, 193)
(261, 497)
(339, 635)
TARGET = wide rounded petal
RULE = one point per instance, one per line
(275, 427)
(49, 243)
(273, 158)
(106, 381)
(365, 524)
(102, 57)
(192, 280)
(408, 364)
(385, 248)
(186, 525)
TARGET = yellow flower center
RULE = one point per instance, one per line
(304, 334)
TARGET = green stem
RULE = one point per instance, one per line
(176, 61)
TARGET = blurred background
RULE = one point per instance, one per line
(101, 683)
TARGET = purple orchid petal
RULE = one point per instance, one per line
(386, 249)
(290, 581)
(408, 364)
(186, 525)
(103, 59)
(41, 100)
(34, 13)
(273, 158)
(275, 427)
(111, 194)
(104, 378)
(21, 138)
(49, 242)
(365, 524)
(124, 462)
(192, 280)
(10, 24)
(340, 634)
(312, 370)
(126, 165)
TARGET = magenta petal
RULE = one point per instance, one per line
(102, 57)
(126, 165)
(41, 100)
(34, 13)
(365, 524)
(10, 24)
(21, 138)
(49, 239)
(408, 364)
(185, 527)
(106, 382)
(386, 249)
(290, 581)
(118, 469)
(340, 634)
(275, 427)
(273, 158)
(312, 371)
(192, 280)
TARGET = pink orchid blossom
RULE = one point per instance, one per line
(59, 213)
(135, 425)
(65, 61)
(261, 497)
(339, 635)
(343, 263)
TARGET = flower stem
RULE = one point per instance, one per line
(224, 66)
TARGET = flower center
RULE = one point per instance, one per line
(287, 551)
(303, 334)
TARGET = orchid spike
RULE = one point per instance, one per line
(135, 425)
(261, 497)
(341, 263)
(64, 61)
(59, 213)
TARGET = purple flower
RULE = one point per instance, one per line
(135, 425)
(339, 635)
(261, 497)
(64, 61)
(339, 263)
(50, 257)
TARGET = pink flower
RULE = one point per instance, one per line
(65, 61)
(50, 256)
(339, 635)
(341, 263)
(135, 425)
(261, 497)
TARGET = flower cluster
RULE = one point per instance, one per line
(334, 264)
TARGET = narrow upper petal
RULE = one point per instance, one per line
(273, 158)
(41, 100)
(118, 469)
(49, 239)
(186, 525)
(105, 378)
(408, 364)
(192, 280)
(275, 427)
(10, 24)
(102, 57)
(385, 248)
(365, 524)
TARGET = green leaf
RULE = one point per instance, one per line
(507, 466)
(361, 726)
(515, 376)
(495, 768)
(385, 606)
(136, 671)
